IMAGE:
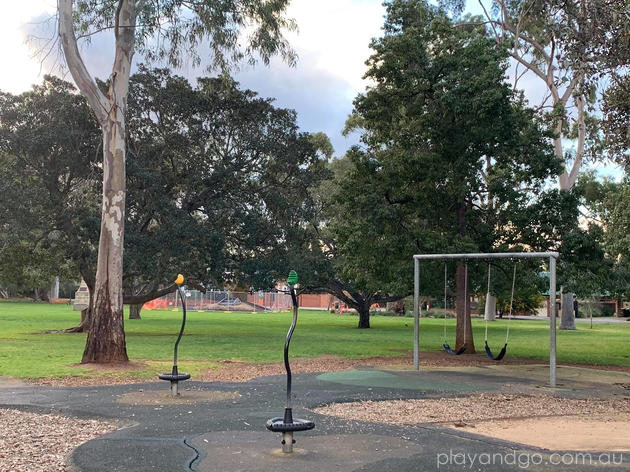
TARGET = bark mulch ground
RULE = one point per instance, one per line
(31, 442)
(480, 407)
(542, 420)
(37, 442)
(237, 371)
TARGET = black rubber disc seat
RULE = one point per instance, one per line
(286, 423)
(277, 425)
(174, 377)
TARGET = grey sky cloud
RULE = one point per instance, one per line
(332, 45)
(320, 93)
(322, 101)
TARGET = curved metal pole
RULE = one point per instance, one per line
(181, 330)
(287, 342)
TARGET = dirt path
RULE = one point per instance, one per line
(597, 433)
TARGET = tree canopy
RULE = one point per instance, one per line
(451, 157)
(49, 144)
(579, 50)
(219, 182)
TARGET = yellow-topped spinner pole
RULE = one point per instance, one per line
(174, 376)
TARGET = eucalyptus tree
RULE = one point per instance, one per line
(579, 50)
(616, 122)
(171, 31)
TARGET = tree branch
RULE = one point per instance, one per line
(485, 11)
(146, 297)
(579, 153)
(125, 42)
(536, 71)
(86, 84)
(567, 93)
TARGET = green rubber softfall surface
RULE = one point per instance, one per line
(378, 378)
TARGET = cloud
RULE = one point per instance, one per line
(20, 68)
(332, 44)
(322, 101)
(39, 35)
(335, 34)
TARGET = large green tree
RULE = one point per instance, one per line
(450, 156)
(169, 31)
(317, 255)
(219, 182)
(609, 203)
(49, 144)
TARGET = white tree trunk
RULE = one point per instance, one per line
(106, 336)
(491, 307)
(568, 178)
(54, 288)
(567, 320)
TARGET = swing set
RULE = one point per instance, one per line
(462, 349)
(552, 256)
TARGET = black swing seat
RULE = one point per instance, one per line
(287, 423)
(174, 375)
(448, 349)
(499, 356)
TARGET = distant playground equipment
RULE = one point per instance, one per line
(214, 300)
(175, 376)
(227, 301)
(552, 256)
(501, 354)
(286, 424)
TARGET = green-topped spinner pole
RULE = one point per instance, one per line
(287, 436)
(292, 281)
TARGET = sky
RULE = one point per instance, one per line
(332, 43)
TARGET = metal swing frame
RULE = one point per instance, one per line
(552, 256)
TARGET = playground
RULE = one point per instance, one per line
(367, 418)
(450, 178)
(440, 412)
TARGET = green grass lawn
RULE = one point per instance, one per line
(26, 352)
